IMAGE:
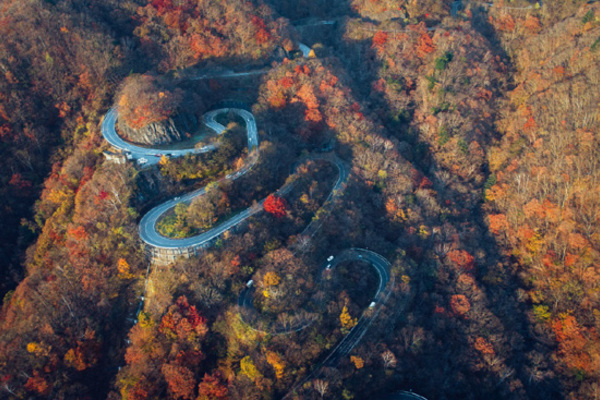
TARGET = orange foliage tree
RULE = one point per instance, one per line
(145, 99)
(38, 384)
(170, 352)
(577, 345)
(484, 346)
(462, 259)
(180, 380)
(460, 304)
(212, 387)
(179, 34)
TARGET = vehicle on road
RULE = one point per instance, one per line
(150, 235)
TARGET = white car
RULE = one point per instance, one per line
(142, 160)
(328, 266)
(329, 258)
(372, 304)
(250, 283)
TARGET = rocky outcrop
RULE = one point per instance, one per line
(171, 130)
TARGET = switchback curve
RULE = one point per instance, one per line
(386, 284)
(151, 237)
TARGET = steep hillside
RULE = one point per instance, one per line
(410, 204)
(543, 206)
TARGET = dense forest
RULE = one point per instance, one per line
(459, 141)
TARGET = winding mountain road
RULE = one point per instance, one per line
(153, 155)
(245, 298)
(151, 237)
(386, 284)
(147, 228)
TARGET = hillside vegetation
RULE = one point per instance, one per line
(470, 134)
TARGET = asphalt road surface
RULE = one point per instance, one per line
(136, 152)
(147, 228)
(245, 298)
(404, 395)
(386, 283)
(304, 49)
(150, 235)
(383, 268)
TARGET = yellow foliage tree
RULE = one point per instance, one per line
(271, 279)
(423, 232)
(145, 320)
(248, 368)
(164, 160)
(277, 363)
(123, 268)
(357, 361)
(346, 320)
(39, 349)
(74, 358)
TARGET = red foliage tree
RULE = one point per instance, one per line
(6, 133)
(182, 320)
(37, 384)
(462, 259)
(78, 233)
(425, 45)
(18, 181)
(180, 380)
(379, 39)
(212, 387)
(275, 206)
(286, 82)
(576, 344)
(262, 35)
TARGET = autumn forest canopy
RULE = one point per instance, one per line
(418, 209)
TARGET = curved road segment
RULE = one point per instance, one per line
(147, 228)
(135, 152)
(404, 395)
(150, 235)
(386, 283)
